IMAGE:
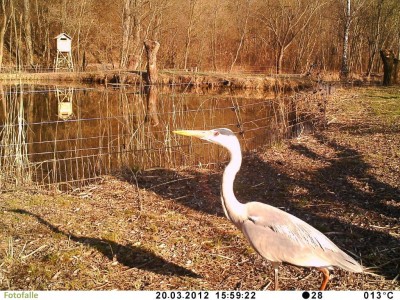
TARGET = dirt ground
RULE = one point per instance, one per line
(165, 229)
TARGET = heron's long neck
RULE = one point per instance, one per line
(234, 210)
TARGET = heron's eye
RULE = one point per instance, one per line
(216, 133)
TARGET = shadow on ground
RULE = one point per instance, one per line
(130, 256)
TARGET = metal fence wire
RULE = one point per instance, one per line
(68, 137)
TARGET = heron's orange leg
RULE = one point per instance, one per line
(325, 273)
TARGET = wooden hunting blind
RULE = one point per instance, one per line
(63, 59)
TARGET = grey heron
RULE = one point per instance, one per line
(274, 234)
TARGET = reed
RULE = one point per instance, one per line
(15, 167)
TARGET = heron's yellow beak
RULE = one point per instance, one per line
(201, 134)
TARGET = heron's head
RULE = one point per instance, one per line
(221, 136)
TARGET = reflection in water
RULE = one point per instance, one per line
(102, 130)
(15, 168)
(151, 92)
(64, 99)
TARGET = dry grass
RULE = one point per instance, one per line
(164, 229)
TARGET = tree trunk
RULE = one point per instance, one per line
(151, 48)
(15, 45)
(388, 66)
(242, 35)
(3, 24)
(28, 33)
(396, 71)
(344, 72)
(279, 61)
(84, 62)
(136, 58)
(78, 34)
(214, 37)
(4, 103)
(126, 32)
(375, 46)
(192, 6)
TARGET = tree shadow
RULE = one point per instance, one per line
(349, 165)
(127, 255)
(193, 189)
(331, 187)
(376, 248)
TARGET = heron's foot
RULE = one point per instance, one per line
(325, 274)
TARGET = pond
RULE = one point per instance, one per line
(68, 136)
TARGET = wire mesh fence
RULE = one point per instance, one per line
(67, 137)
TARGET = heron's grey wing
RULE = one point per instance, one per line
(282, 237)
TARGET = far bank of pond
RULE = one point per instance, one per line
(173, 77)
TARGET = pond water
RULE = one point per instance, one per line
(69, 136)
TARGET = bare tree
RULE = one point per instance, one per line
(285, 20)
(216, 8)
(131, 29)
(189, 31)
(242, 27)
(126, 32)
(136, 29)
(15, 37)
(344, 70)
(151, 20)
(303, 59)
(83, 23)
(351, 11)
(376, 30)
(3, 25)
(28, 32)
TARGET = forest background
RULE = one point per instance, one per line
(277, 36)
